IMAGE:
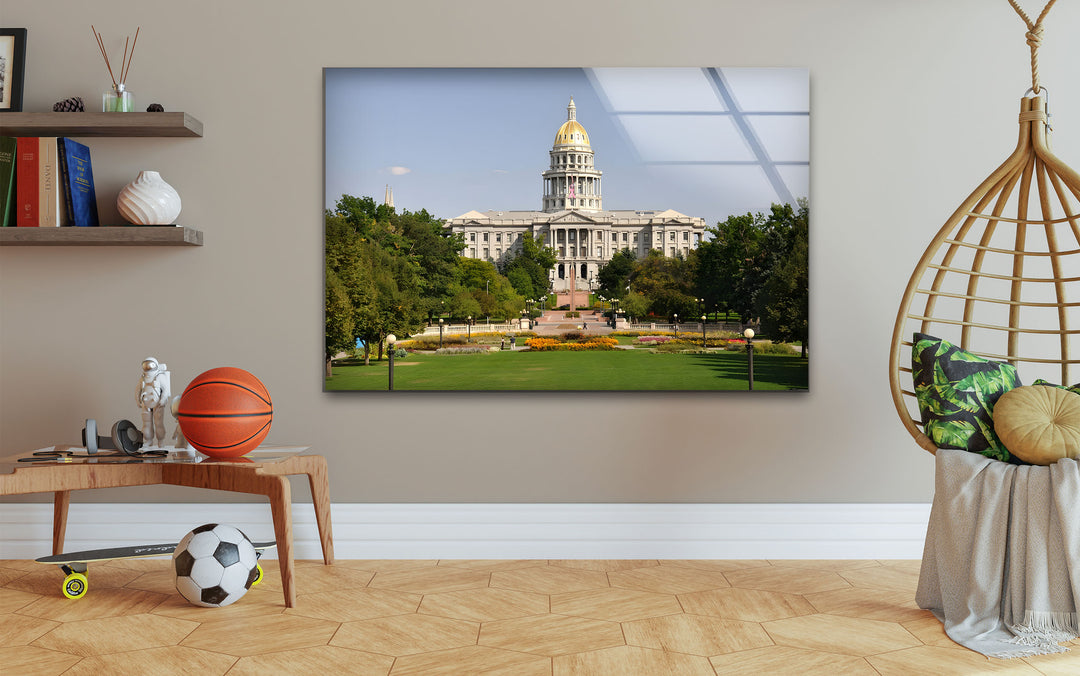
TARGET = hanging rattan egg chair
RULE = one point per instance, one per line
(1001, 279)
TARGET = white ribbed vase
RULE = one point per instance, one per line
(149, 200)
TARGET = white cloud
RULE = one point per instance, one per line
(499, 171)
(399, 171)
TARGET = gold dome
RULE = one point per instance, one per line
(571, 133)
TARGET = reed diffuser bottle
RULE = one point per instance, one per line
(117, 100)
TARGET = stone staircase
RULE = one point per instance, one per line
(556, 321)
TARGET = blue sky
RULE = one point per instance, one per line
(452, 140)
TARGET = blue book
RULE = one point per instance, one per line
(78, 182)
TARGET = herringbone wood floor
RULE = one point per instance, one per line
(551, 618)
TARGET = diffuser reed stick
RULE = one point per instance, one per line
(123, 76)
(104, 54)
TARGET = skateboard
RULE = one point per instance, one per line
(74, 564)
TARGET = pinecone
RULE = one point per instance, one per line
(155, 108)
(71, 105)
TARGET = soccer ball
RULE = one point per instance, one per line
(215, 565)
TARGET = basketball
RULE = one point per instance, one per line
(225, 412)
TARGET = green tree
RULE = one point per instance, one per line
(666, 282)
(339, 319)
(615, 275)
(348, 262)
(373, 259)
(358, 211)
(397, 294)
(635, 305)
(494, 293)
(506, 302)
(528, 271)
(435, 253)
(522, 281)
(463, 304)
(783, 303)
(732, 267)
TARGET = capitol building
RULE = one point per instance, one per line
(573, 221)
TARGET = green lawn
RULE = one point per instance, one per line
(615, 370)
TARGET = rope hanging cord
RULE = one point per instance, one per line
(1034, 38)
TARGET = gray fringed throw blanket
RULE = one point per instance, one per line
(1001, 566)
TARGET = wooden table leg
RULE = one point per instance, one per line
(275, 486)
(61, 501)
(280, 494)
(320, 499)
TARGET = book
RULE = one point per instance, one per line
(26, 181)
(7, 180)
(78, 183)
(65, 185)
(50, 202)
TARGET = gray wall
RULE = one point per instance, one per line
(913, 104)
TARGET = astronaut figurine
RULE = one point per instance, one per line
(153, 397)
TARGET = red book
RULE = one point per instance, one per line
(26, 181)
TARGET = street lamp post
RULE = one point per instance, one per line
(390, 341)
(749, 333)
(704, 342)
(469, 328)
(440, 332)
(676, 326)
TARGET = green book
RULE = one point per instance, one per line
(7, 179)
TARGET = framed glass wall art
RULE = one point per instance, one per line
(534, 229)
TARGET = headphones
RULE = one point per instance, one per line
(125, 437)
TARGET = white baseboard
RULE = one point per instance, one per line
(504, 531)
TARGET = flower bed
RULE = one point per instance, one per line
(431, 342)
(652, 340)
(763, 347)
(685, 340)
(462, 350)
(677, 346)
(551, 344)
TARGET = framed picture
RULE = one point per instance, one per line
(12, 67)
(543, 229)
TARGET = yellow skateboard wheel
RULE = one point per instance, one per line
(75, 586)
(258, 575)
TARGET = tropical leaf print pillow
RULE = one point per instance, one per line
(956, 391)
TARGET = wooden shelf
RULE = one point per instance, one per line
(132, 125)
(111, 235)
(100, 124)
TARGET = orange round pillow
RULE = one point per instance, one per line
(225, 412)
